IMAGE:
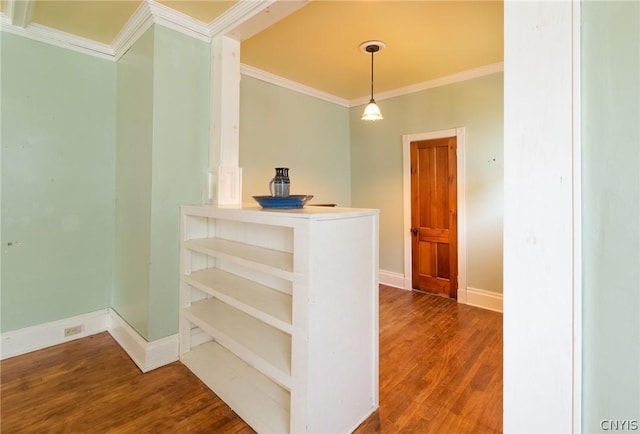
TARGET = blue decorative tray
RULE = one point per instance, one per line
(293, 201)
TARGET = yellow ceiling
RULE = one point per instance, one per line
(97, 20)
(318, 45)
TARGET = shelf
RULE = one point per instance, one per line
(259, 301)
(260, 345)
(259, 401)
(279, 313)
(257, 257)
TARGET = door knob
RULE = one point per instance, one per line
(414, 231)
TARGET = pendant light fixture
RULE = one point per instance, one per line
(371, 111)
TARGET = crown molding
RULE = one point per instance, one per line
(481, 71)
(236, 15)
(178, 21)
(259, 74)
(151, 12)
(430, 84)
(249, 17)
(57, 38)
(138, 23)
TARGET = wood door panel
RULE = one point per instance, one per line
(431, 234)
(434, 260)
(434, 216)
(426, 260)
(434, 285)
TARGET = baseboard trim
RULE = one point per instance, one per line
(28, 339)
(146, 355)
(394, 279)
(471, 296)
(484, 299)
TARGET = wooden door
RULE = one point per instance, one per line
(434, 216)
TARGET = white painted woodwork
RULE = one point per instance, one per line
(540, 225)
(248, 17)
(226, 183)
(266, 405)
(19, 12)
(279, 313)
(261, 301)
(146, 355)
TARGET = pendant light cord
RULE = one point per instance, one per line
(372, 49)
(372, 74)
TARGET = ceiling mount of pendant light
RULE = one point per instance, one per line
(371, 111)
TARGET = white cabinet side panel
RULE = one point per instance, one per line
(343, 324)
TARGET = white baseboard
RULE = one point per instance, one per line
(394, 279)
(28, 339)
(146, 355)
(484, 299)
(471, 296)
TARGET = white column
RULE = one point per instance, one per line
(225, 175)
(19, 12)
(540, 225)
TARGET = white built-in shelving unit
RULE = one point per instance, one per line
(279, 313)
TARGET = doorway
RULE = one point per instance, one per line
(434, 234)
(460, 253)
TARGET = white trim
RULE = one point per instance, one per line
(391, 278)
(146, 355)
(19, 12)
(178, 21)
(237, 15)
(253, 21)
(438, 82)
(484, 299)
(460, 135)
(540, 287)
(138, 23)
(577, 220)
(151, 12)
(267, 77)
(28, 339)
(57, 38)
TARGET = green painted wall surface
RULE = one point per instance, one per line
(134, 141)
(57, 182)
(162, 148)
(179, 162)
(377, 174)
(611, 214)
(283, 128)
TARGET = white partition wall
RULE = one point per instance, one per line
(541, 220)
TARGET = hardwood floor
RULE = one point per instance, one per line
(440, 366)
(440, 372)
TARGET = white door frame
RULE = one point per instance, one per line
(459, 133)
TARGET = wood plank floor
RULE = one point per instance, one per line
(440, 372)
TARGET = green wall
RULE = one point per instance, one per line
(57, 182)
(139, 133)
(162, 151)
(377, 176)
(179, 162)
(134, 142)
(283, 128)
(611, 213)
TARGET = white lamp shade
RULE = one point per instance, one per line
(372, 112)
